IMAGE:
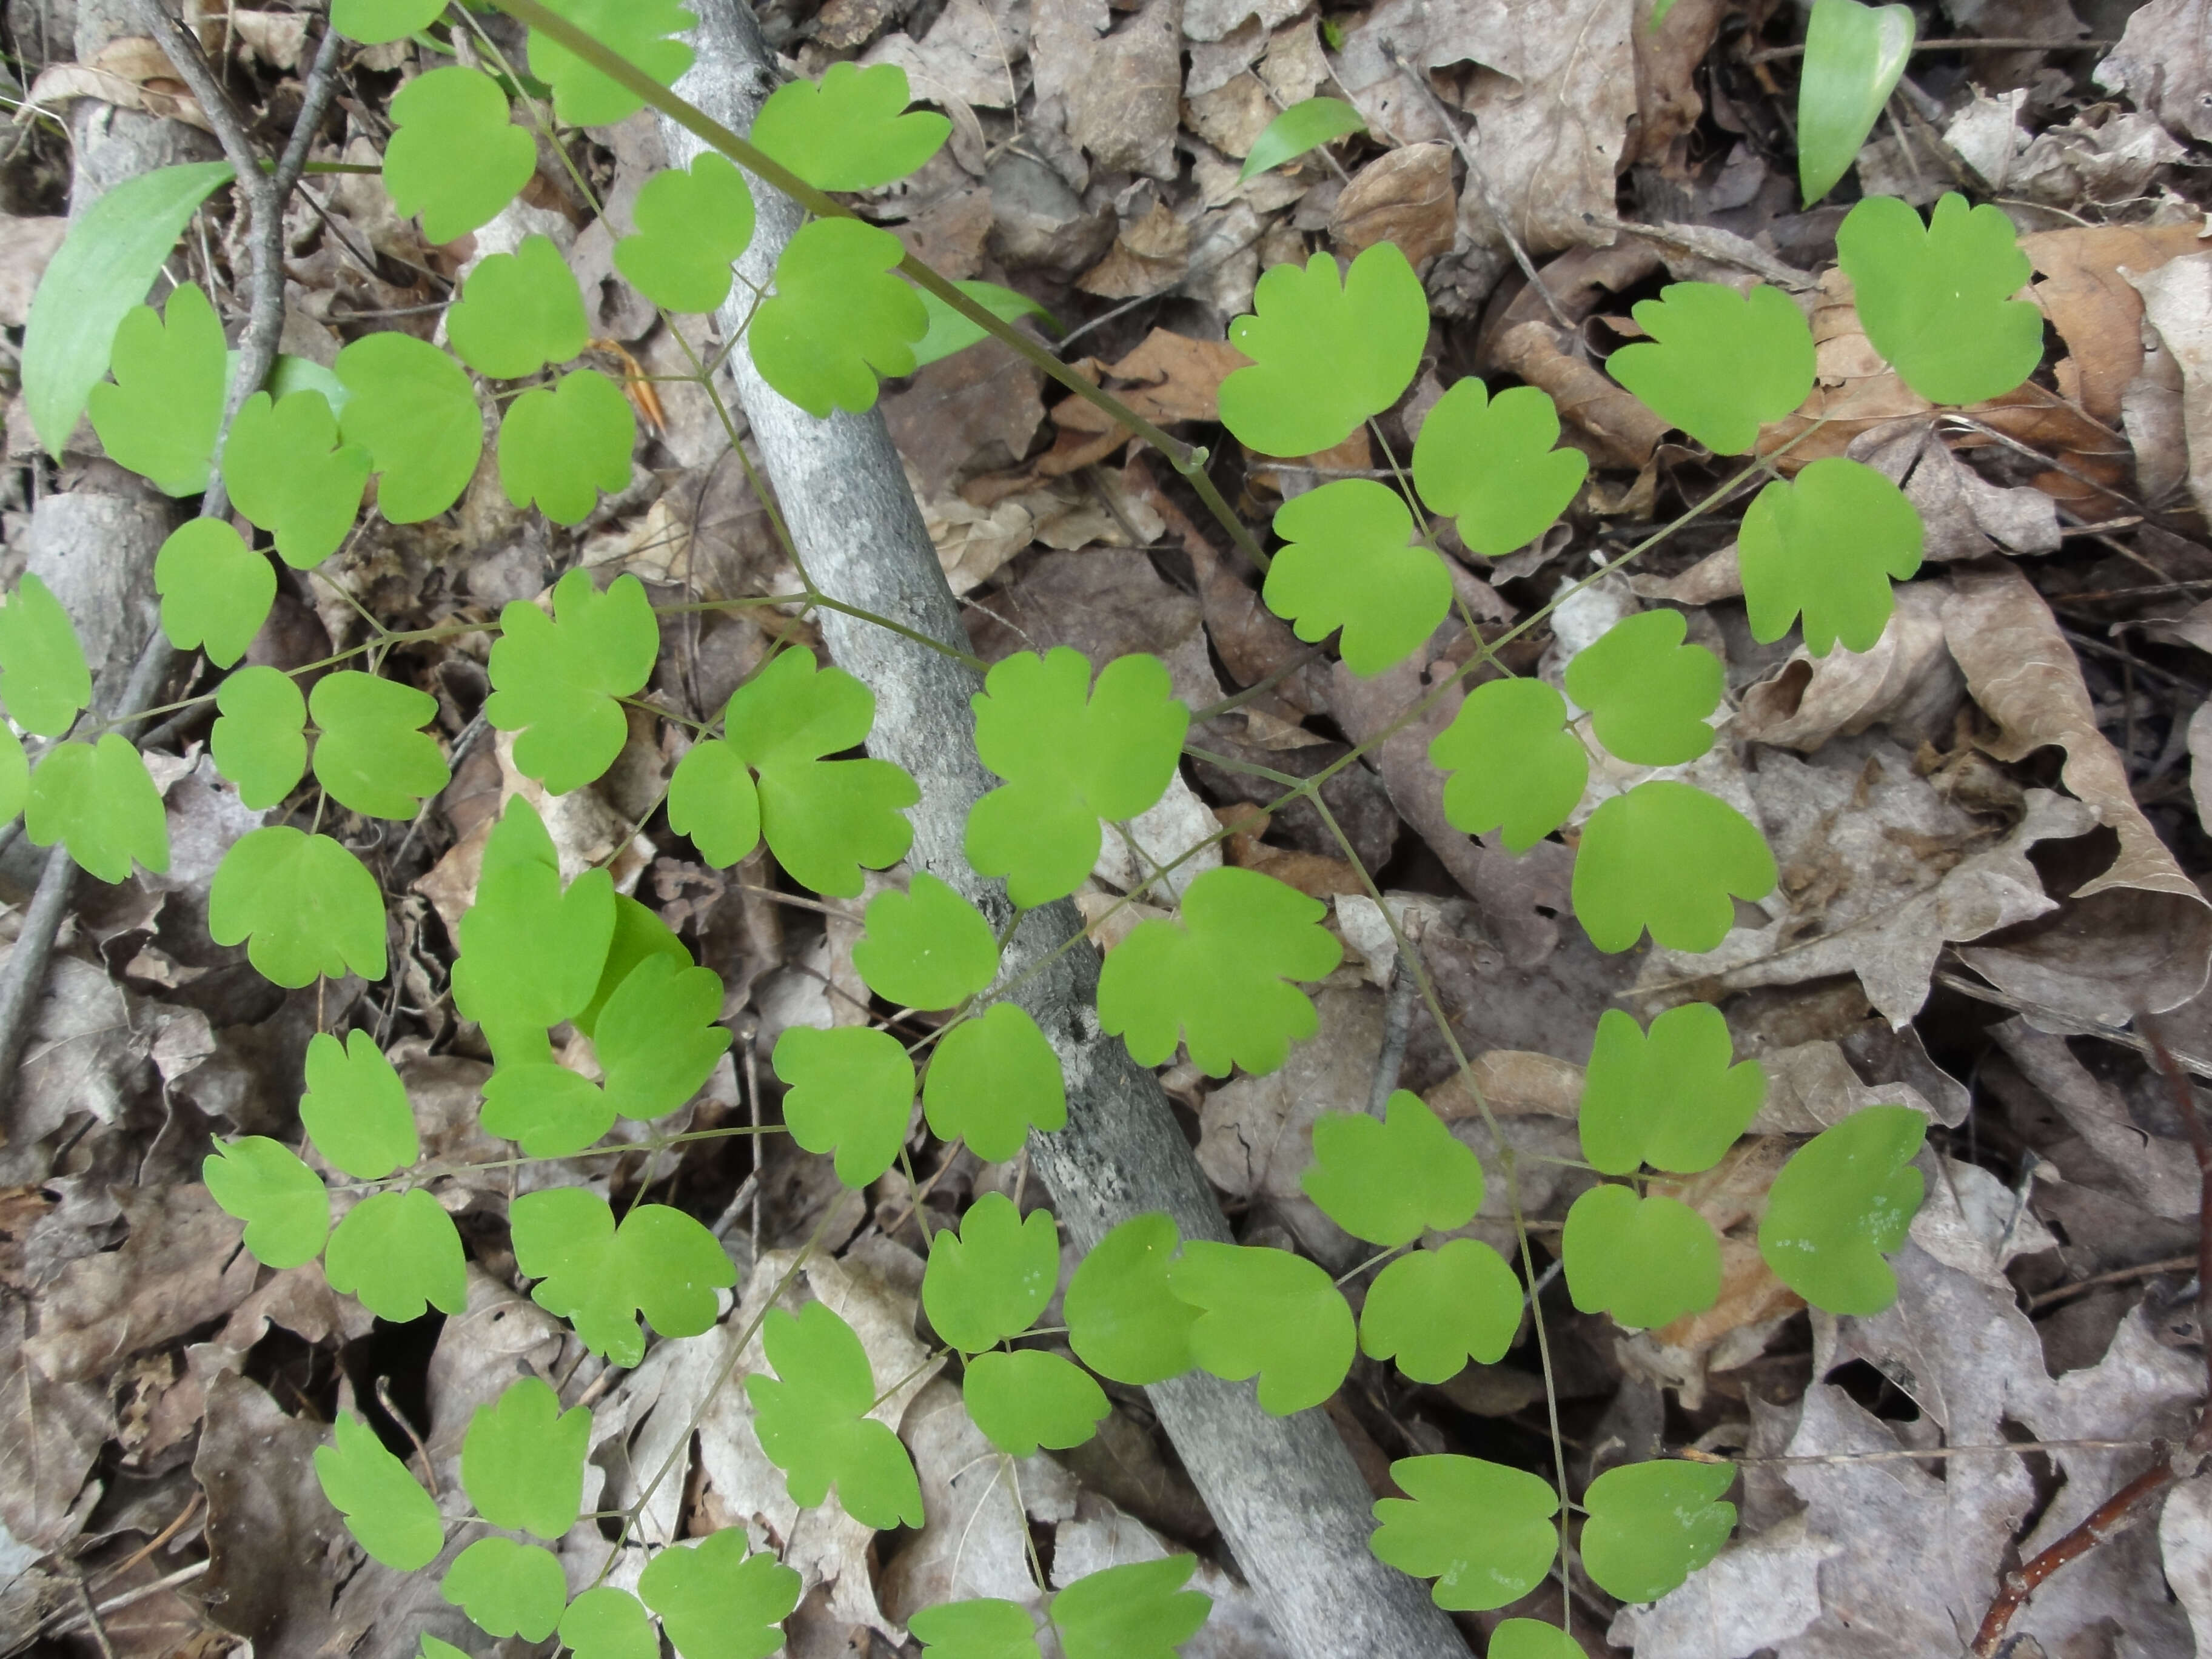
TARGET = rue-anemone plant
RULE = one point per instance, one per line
(1076, 744)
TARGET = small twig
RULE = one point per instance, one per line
(2116, 1514)
(132, 1598)
(1397, 1028)
(2080, 1026)
(2117, 1276)
(91, 1616)
(1912, 1454)
(154, 1543)
(391, 1410)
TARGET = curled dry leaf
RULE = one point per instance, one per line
(2160, 1172)
(1907, 682)
(1403, 195)
(1962, 514)
(2164, 63)
(2096, 308)
(2177, 302)
(1526, 342)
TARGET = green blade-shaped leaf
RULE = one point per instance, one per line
(550, 1110)
(1854, 55)
(1514, 764)
(1269, 1314)
(1668, 1097)
(927, 947)
(1491, 465)
(991, 1081)
(43, 679)
(659, 1262)
(98, 800)
(712, 798)
(1648, 693)
(560, 447)
(1646, 1261)
(355, 1108)
(657, 1039)
(455, 157)
(508, 1588)
(386, 1509)
(556, 680)
(991, 1280)
(1482, 1531)
(691, 227)
(413, 409)
(812, 1422)
(1841, 1204)
(288, 474)
(637, 30)
(950, 331)
(301, 904)
(216, 590)
(1139, 1611)
(1651, 1525)
(260, 737)
(283, 1203)
(1220, 976)
(1303, 126)
(607, 1623)
(838, 318)
(162, 413)
(1025, 1400)
(852, 131)
(1718, 364)
(1827, 545)
(371, 756)
(1124, 1321)
(378, 23)
(517, 313)
(1936, 301)
(852, 1091)
(522, 1460)
(715, 1601)
(1668, 857)
(1435, 1309)
(1327, 352)
(1350, 564)
(396, 1252)
(1071, 753)
(981, 1629)
(1385, 1181)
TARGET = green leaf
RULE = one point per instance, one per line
(927, 947)
(812, 1417)
(372, 756)
(1935, 303)
(991, 1280)
(1482, 1531)
(852, 1093)
(508, 1588)
(1303, 126)
(517, 313)
(1513, 762)
(1668, 1098)
(556, 680)
(1666, 856)
(1068, 762)
(691, 227)
(283, 1203)
(1434, 1310)
(1027, 1399)
(638, 934)
(380, 22)
(260, 737)
(414, 410)
(599, 1277)
(529, 951)
(1646, 1261)
(657, 1039)
(852, 131)
(1349, 563)
(1845, 1200)
(1124, 1321)
(981, 1629)
(559, 447)
(43, 676)
(15, 777)
(522, 1460)
(98, 800)
(388, 1512)
(992, 1081)
(101, 273)
(1138, 1611)
(824, 820)
(1648, 693)
(1653, 1524)
(216, 590)
(303, 904)
(1854, 55)
(950, 331)
(396, 1251)
(455, 157)
(1385, 1181)
(1827, 545)
(355, 1108)
(1220, 976)
(636, 30)
(711, 799)
(1718, 364)
(1493, 465)
(715, 1601)
(607, 1623)
(838, 318)
(1531, 1638)
(162, 413)
(1267, 1313)
(549, 1109)
(1326, 352)
(287, 474)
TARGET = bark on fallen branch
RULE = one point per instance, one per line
(1285, 1492)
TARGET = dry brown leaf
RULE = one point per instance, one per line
(1511, 1080)
(1403, 195)
(977, 408)
(1526, 342)
(51, 1433)
(2160, 1172)
(968, 55)
(1149, 255)
(1907, 680)
(2177, 302)
(129, 72)
(1962, 514)
(950, 234)
(2095, 309)
(2164, 63)
(25, 248)
(1168, 377)
(1121, 90)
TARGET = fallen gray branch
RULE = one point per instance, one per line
(1285, 1492)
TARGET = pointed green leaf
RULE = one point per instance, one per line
(838, 318)
(1841, 1204)
(1350, 563)
(508, 1588)
(1668, 1097)
(607, 1623)
(414, 410)
(1482, 1531)
(43, 676)
(950, 331)
(372, 756)
(396, 1251)
(216, 590)
(1514, 764)
(1434, 1310)
(1854, 55)
(851, 1093)
(639, 933)
(992, 1081)
(455, 157)
(1936, 301)
(980, 1629)
(659, 1262)
(1327, 352)
(1303, 126)
(555, 679)
(1492, 465)
(379, 22)
(715, 1601)
(1028, 1399)
(283, 1203)
(991, 1280)
(1718, 363)
(1139, 1611)
(1266, 1313)
(1531, 1638)
(386, 1509)
(1827, 545)
(637, 30)
(517, 313)
(691, 227)
(260, 737)
(550, 1110)
(1647, 692)
(1651, 1525)
(99, 801)
(1666, 856)
(927, 947)
(812, 1423)
(712, 798)
(1220, 976)
(1646, 1261)
(162, 413)
(531, 951)
(851, 130)
(355, 1108)
(288, 473)
(1385, 1181)
(303, 905)
(1123, 1321)
(522, 1460)
(559, 447)
(657, 1038)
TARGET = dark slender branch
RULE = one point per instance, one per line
(2115, 1515)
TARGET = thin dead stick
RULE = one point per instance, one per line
(1910, 1454)
(2074, 1023)
(2117, 1276)
(132, 1598)
(2115, 1515)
